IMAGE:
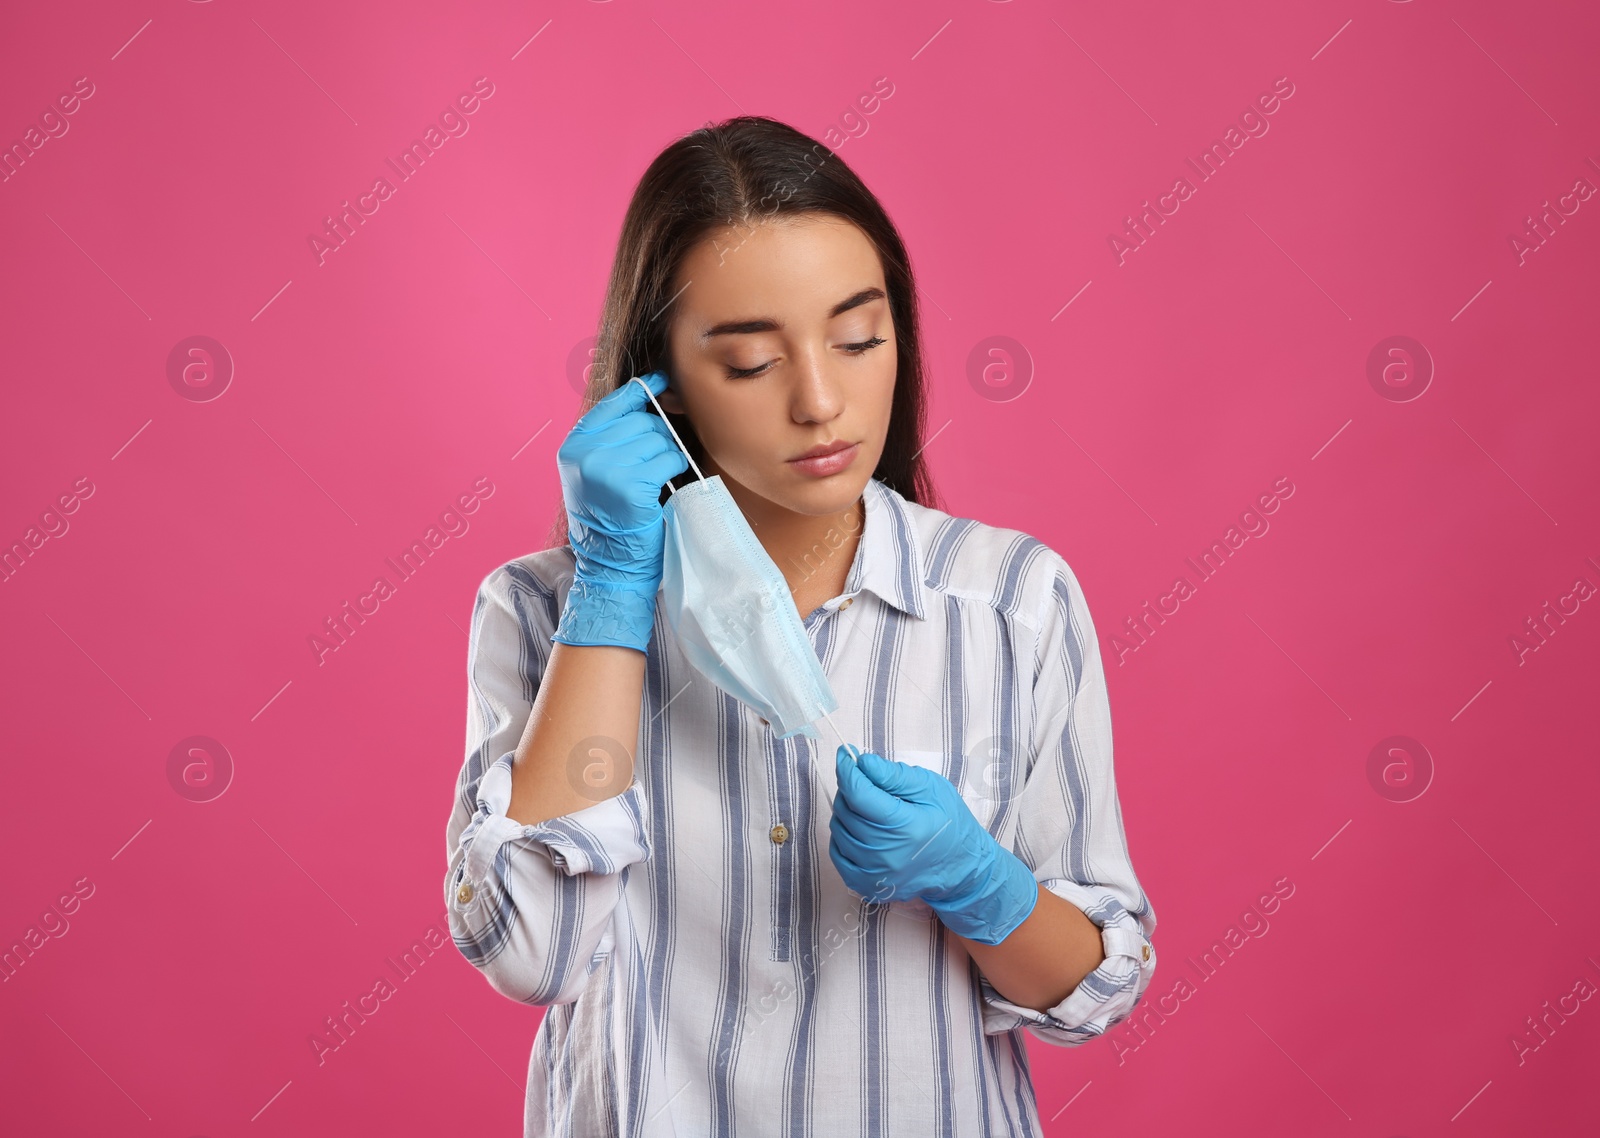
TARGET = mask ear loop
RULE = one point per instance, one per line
(855, 757)
(671, 489)
(854, 754)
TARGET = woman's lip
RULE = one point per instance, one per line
(825, 464)
(841, 445)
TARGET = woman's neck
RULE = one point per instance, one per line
(814, 552)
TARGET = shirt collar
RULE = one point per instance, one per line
(888, 559)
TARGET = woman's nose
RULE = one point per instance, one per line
(816, 396)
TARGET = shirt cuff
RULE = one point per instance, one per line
(603, 838)
(1102, 998)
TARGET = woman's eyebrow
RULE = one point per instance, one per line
(773, 324)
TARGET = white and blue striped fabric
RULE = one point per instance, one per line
(704, 968)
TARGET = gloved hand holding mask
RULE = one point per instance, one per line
(903, 832)
(613, 464)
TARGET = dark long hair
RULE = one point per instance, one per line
(742, 171)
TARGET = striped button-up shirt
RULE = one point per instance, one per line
(704, 968)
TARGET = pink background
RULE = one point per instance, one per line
(1143, 407)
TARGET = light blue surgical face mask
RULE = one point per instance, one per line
(731, 609)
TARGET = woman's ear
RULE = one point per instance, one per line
(670, 402)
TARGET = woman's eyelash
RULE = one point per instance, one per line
(854, 349)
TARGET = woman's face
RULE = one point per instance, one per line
(782, 341)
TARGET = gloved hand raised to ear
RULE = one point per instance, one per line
(902, 832)
(613, 464)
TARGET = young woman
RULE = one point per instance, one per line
(738, 933)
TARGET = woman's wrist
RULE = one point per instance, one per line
(597, 613)
(1001, 894)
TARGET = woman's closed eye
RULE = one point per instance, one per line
(854, 349)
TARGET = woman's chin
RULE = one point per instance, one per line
(812, 497)
(822, 497)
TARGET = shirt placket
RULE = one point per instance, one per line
(791, 813)
(786, 821)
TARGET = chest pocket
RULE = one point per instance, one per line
(982, 778)
(982, 784)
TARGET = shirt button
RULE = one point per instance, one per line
(848, 601)
(780, 834)
(1147, 952)
(464, 894)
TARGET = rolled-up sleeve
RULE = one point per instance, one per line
(1070, 830)
(531, 907)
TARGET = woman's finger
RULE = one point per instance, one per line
(857, 829)
(848, 869)
(867, 798)
(867, 835)
(629, 397)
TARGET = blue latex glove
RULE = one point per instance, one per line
(613, 465)
(902, 832)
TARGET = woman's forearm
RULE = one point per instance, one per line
(1044, 958)
(588, 692)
